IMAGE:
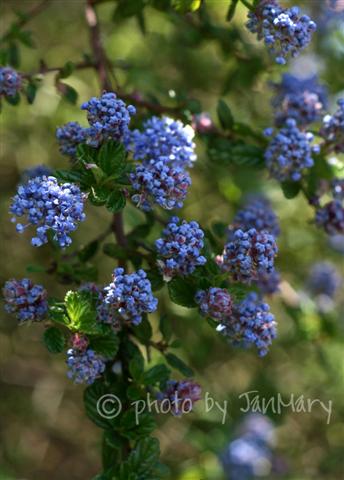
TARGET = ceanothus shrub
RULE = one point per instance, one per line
(137, 157)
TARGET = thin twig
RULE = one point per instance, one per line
(26, 17)
(97, 46)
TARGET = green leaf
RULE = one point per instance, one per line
(165, 327)
(82, 313)
(179, 365)
(136, 367)
(158, 373)
(134, 428)
(58, 314)
(86, 154)
(143, 331)
(116, 201)
(231, 10)
(290, 189)
(106, 346)
(115, 251)
(30, 92)
(155, 278)
(239, 291)
(54, 340)
(67, 69)
(88, 251)
(68, 175)
(92, 395)
(35, 268)
(182, 292)
(69, 93)
(225, 115)
(142, 461)
(111, 158)
(185, 6)
(13, 100)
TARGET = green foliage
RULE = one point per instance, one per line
(143, 462)
(54, 340)
(178, 364)
(182, 292)
(225, 115)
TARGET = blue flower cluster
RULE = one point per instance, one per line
(10, 82)
(179, 249)
(26, 300)
(159, 183)
(84, 366)
(215, 303)
(333, 129)
(180, 396)
(302, 99)
(249, 254)
(284, 31)
(37, 171)
(127, 298)
(324, 279)
(49, 206)
(249, 455)
(330, 216)
(251, 323)
(256, 213)
(289, 152)
(268, 283)
(164, 149)
(163, 138)
(69, 137)
(109, 118)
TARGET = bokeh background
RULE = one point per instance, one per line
(44, 431)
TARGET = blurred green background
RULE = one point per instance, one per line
(45, 433)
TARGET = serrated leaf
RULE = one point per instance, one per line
(111, 158)
(116, 201)
(158, 373)
(68, 175)
(135, 427)
(182, 292)
(141, 461)
(179, 365)
(58, 314)
(136, 367)
(92, 394)
(225, 115)
(106, 346)
(82, 314)
(54, 340)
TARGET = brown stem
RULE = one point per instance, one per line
(97, 46)
(102, 63)
(152, 107)
(43, 69)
